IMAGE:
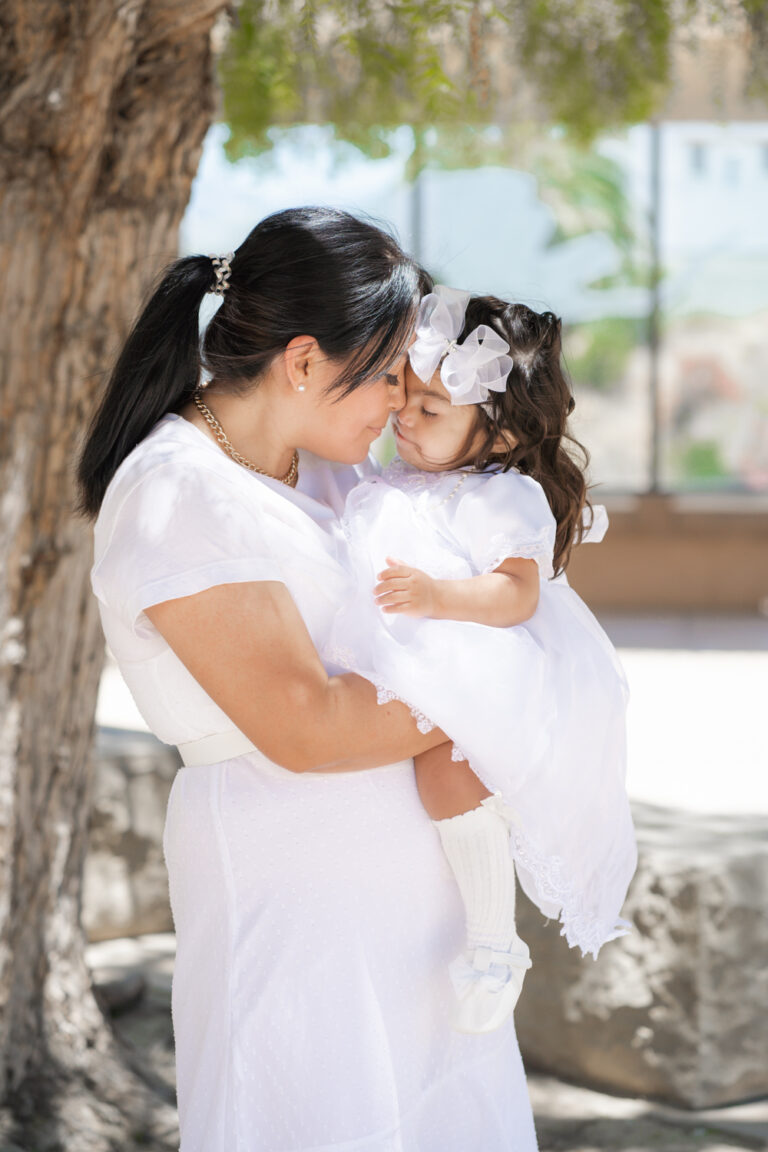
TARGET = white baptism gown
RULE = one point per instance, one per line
(315, 914)
(538, 709)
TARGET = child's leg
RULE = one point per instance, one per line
(475, 836)
(446, 787)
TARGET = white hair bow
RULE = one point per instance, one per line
(469, 371)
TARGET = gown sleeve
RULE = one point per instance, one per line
(176, 531)
(507, 515)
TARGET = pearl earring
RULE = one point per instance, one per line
(301, 388)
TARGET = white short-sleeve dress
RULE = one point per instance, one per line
(315, 914)
(538, 709)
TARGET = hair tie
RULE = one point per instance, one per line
(223, 272)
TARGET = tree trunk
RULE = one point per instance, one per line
(103, 109)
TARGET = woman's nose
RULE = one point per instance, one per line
(396, 398)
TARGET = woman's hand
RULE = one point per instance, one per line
(249, 649)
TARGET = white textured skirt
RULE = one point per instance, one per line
(315, 917)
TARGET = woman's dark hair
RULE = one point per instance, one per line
(305, 271)
(534, 409)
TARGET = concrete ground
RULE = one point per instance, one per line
(696, 741)
(695, 720)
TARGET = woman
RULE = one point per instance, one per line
(314, 910)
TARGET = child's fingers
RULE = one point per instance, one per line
(400, 573)
(394, 600)
(391, 609)
(393, 585)
(395, 570)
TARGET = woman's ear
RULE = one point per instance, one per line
(300, 357)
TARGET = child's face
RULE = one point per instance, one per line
(430, 431)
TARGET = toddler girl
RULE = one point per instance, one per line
(464, 539)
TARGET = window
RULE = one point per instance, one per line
(698, 159)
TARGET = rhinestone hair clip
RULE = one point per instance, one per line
(223, 272)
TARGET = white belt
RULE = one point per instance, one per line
(213, 749)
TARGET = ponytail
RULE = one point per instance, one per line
(156, 372)
(303, 271)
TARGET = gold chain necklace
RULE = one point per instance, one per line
(291, 476)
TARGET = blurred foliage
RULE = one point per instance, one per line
(598, 350)
(363, 66)
(699, 461)
(366, 67)
(586, 192)
(584, 188)
(596, 64)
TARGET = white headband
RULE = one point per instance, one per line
(470, 371)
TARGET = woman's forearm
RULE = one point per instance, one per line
(351, 731)
(250, 651)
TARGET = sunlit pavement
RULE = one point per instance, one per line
(696, 729)
(696, 719)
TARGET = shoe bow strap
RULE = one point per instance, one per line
(482, 957)
(472, 967)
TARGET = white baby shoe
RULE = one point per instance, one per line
(487, 985)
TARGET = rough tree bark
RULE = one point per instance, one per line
(103, 109)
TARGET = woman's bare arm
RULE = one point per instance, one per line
(248, 647)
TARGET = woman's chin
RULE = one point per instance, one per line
(343, 454)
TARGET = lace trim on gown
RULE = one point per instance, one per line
(553, 885)
(410, 479)
(502, 546)
(548, 873)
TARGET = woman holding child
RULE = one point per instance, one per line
(347, 960)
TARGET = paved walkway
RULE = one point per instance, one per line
(696, 728)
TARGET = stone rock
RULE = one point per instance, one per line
(126, 883)
(120, 994)
(677, 1010)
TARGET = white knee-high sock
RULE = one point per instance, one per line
(476, 844)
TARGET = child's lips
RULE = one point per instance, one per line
(399, 434)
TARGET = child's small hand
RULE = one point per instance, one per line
(406, 590)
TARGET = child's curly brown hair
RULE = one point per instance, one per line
(532, 416)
